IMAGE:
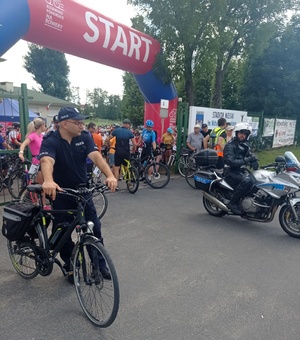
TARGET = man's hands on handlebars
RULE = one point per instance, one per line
(111, 182)
(50, 189)
(253, 161)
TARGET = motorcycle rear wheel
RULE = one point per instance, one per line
(287, 220)
(211, 208)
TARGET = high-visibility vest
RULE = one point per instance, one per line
(218, 131)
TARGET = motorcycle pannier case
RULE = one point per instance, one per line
(206, 158)
(203, 179)
(16, 219)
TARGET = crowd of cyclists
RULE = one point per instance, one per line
(109, 139)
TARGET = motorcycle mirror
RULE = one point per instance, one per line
(280, 159)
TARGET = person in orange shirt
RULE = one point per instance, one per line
(97, 140)
(112, 151)
(96, 137)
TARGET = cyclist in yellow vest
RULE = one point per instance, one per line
(218, 142)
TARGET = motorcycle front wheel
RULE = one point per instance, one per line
(211, 208)
(288, 222)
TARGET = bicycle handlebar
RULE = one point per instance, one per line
(83, 190)
(68, 191)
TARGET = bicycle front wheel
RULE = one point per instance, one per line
(100, 202)
(22, 253)
(98, 293)
(183, 164)
(157, 175)
(133, 180)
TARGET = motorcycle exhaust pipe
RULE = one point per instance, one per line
(215, 201)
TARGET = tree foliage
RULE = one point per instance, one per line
(101, 105)
(235, 31)
(272, 80)
(133, 102)
(50, 70)
(176, 24)
(223, 30)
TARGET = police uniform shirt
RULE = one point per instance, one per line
(70, 159)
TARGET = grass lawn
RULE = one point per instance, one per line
(268, 156)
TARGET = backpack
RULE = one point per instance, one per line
(213, 137)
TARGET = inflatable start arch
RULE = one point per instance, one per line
(69, 27)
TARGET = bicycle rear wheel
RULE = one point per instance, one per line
(98, 297)
(22, 253)
(100, 202)
(189, 174)
(133, 180)
(157, 175)
(15, 183)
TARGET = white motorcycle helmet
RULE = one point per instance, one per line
(244, 128)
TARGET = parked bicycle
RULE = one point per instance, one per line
(32, 252)
(154, 173)
(8, 165)
(99, 197)
(95, 176)
(23, 175)
(171, 159)
(130, 176)
(186, 157)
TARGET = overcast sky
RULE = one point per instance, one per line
(83, 73)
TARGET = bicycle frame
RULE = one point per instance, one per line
(79, 223)
(91, 268)
(125, 170)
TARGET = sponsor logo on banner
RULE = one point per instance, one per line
(172, 117)
(54, 14)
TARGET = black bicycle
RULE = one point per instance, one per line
(32, 252)
(99, 197)
(186, 157)
(155, 174)
(22, 175)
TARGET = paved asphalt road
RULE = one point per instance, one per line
(183, 275)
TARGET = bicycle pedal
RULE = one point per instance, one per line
(25, 249)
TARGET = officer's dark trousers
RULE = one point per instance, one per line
(63, 202)
(240, 182)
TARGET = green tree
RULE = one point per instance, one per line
(133, 101)
(50, 70)
(114, 105)
(233, 85)
(182, 27)
(191, 30)
(272, 79)
(101, 105)
(97, 101)
(235, 30)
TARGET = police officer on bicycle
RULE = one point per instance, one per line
(63, 162)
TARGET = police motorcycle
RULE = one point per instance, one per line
(270, 191)
(292, 163)
(288, 165)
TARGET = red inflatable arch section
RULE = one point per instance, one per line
(69, 27)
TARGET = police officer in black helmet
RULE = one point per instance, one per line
(237, 154)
